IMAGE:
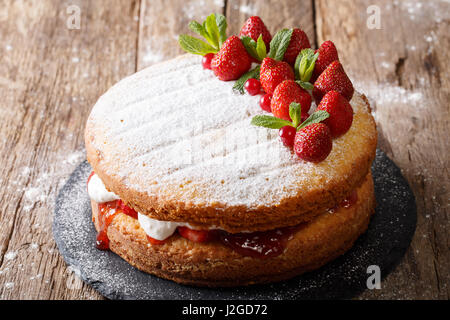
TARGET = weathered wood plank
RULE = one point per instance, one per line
(161, 23)
(50, 76)
(275, 14)
(402, 68)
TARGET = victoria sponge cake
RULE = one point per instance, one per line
(233, 166)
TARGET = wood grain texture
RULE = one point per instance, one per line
(50, 76)
(402, 68)
(161, 22)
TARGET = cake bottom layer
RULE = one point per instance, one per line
(213, 264)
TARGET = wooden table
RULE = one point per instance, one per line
(51, 75)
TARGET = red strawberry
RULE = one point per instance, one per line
(287, 92)
(274, 72)
(195, 235)
(327, 54)
(253, 27)
(232, 61)
(156, 241)
(299, 41)
(340, 110)
(313, 143)
(333, 78)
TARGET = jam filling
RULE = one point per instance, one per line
(262, 244)
(106, 213)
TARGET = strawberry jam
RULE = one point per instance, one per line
(348, 202)
(106, 213)
(267, 244)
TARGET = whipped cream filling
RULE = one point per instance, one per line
(98, 192)
(157, 229)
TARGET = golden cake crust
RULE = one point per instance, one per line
(197, 200)
(212, 264)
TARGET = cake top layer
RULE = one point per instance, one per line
(176, 134)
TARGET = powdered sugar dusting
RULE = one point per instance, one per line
(186, 131)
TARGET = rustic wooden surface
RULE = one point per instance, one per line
(50, 76)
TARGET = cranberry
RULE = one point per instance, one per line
(252, 86)
(264, 102)
(287, 135)
(206, 61)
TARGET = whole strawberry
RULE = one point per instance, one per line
(333, 78)
(274, 72)
(327, 54)
(285, 93)
(313, 143)
(341, 113)
(299, 41)
(253, 27)
(232, 61)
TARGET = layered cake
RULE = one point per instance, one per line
(245, 162)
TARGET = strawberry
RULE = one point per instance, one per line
(155, 241)
(299, 41)
(313, 143)
(232, 61)
(253, 27)
(327, 54)
(333, 78)
(274, 72)
(340, 110)
(127, 210)
(195, 235)
(285, 93)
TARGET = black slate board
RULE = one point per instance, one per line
(384, 243)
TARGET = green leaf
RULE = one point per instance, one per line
(261, 49)
(239, 84)
(269, 122)
(197, 28)
(194, 45)
(280, 43)
(221, 23)
(305, 85)
(316, 117)
(250, 46)
(213, 30)
(304, 64)
(295, 112)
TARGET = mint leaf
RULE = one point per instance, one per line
(221, 23)
(261, 49)
(213, 30)
(194, 45)
(239, 85)
(295, 112)
(197, 28)
(316, 117)
(304, 64)
(279, 44)
(269, 122)
(250, 46)
(305, 85)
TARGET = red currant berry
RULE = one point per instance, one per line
(206, 61)
(252, 86)
(264, 102)
(287, 135)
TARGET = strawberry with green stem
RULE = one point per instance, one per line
(295, 133)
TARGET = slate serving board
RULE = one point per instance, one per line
(385, 242)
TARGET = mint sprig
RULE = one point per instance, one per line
(295, 112)
(280, 43)
(257, 49)
(304, 67)
(213, 30)
(239, 84)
